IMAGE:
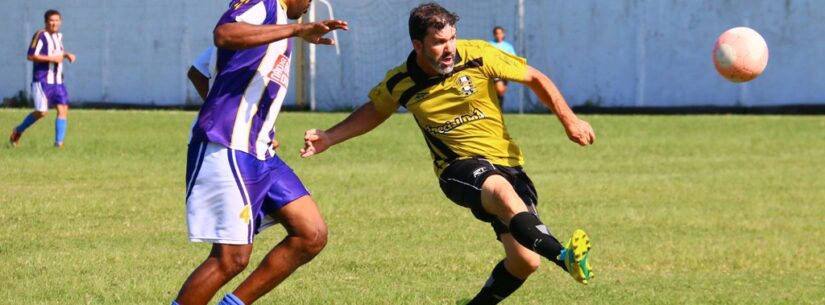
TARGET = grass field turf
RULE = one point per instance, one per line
(681, 209)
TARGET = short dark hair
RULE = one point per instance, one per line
(497, 28)
(429, 15)
(50, 13)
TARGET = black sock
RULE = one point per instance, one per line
(528, 230)
(498, 287)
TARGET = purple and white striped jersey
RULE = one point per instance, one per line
(44, 43)
(249, 89)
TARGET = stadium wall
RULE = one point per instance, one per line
(628, 53)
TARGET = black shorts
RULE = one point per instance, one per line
(461, 181)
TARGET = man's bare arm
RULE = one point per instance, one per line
(361, 121)
(241, 35)
(577, 130)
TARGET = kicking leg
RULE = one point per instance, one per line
(499, 198)
(306, 237)
(223, 264)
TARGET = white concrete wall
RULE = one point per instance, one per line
(604, 52)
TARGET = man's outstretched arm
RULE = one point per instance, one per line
(578, 130)
(242, 35)
(361, 121)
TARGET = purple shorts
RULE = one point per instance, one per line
(46, 96)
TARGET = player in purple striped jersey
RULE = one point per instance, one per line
(47, 54)
(236, 185)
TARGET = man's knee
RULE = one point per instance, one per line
(313, 240)
(39, 114)
(233, 262)
(523, 266)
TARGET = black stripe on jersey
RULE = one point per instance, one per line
(475, 63)
(437, 148)
(395, 79)
(449, 153)
(407, 95)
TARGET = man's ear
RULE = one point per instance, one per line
(417, 46)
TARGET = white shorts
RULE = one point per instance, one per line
(231, 195)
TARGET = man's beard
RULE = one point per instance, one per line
(436, 64)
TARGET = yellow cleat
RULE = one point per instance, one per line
(576, 257)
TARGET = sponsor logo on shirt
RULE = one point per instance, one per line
(448, 126)
(280, 72)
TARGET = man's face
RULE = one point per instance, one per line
(438, 49)
(499, 35)
(53, 23)
(296, 8)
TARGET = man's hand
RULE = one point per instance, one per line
(275, 144)
(315, 142)
(580, 131)
(58, 59)
(314, 32)
(71, 57)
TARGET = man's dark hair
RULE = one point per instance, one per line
(429, 15)
(50, 13)
(497, 28)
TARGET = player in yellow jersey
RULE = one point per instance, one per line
(448, 86)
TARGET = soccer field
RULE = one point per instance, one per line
(681, 210)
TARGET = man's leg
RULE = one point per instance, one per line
(306, 237)
(223, 264)
(28, 121)
(501, 89)
(499, 198)
(60, 124)
(509, 274)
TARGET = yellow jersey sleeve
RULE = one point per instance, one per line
(382, 99)
(500, 64)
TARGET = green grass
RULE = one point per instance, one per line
(681, 209)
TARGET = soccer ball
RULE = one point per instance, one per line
(740, 54)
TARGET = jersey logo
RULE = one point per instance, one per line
(465, 84)
(456, 122)
(280, 71)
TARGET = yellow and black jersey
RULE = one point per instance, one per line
(458, 113)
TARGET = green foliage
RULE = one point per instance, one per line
(681, 210)
(18, 101)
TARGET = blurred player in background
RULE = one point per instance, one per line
(47, 54)
(203, 71)
(446, 86)
(236, 185)
(498, 41)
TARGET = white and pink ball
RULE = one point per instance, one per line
(740, 54)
